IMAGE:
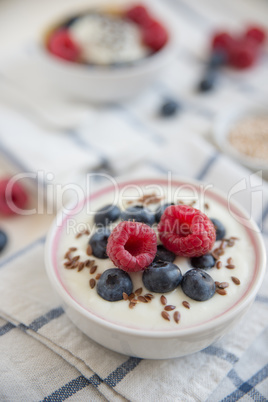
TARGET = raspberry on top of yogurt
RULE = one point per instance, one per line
(108, 37)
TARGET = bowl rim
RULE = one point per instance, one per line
(221, 127)
(228, 315)
(141, 66)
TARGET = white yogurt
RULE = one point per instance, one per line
(148, 315)
(106, 39)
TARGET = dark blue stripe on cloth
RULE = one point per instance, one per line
(117, 375)
(207, 166)
(36, 324)
(248, 387)
(158, 167)
(23, 251)
(264, 214)
(6, 328)
(221, 353)
(68, 390)
(262, 299)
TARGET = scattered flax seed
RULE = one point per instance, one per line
(72, 248)
(221, 292)
(89, 250)
(149, 295)
(87, 232)
(218, 264)
(97, 277)
(92, 283)
(81, 266)
(138, 292)
(235, 280)
(186, 304)
(217, 283)
(68, 263)
(76, 258)
(223, 285)
(91, 263)
(147, 298)
(177, 317)
(78, 235)
(165, 315)
(170, 307)
(125, 296)
(163, 300)
(230, 260)
(206, 205)
(217, 253)
(230, 266)
(131, 296)
(142, 299)
(74, 264)
(192, 203)
(234, 238)
(93, 269)
(131, 305)
(223, 244)
(67, 255)
(231, 243)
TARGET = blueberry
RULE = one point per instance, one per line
(3, 240)
(208, 82)
(139, 214)
(98, 243)
(169, 108)
(162, 254)
(220, 229)
(205, 261)
(112, 283)
(161, 209)
(161, 277)
(198, 285)
(107, 214)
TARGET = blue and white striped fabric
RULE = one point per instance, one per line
(43, 355)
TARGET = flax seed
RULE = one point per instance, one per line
(138, 292)
(67, 255)
(78, 235)
(147, 298)
(72, 248)
(230, 260)
(230, 266)
(218, 264)
(131, 296)
(131, 305)
(170, 307)
(89, 250)
(76, 258)
(149, 295)
(221, 292)
(93, 269)
(231, 243)
(92, 283)
(163, 300)
(177, 316)
(235, 280)
(186, 304)
(223, 285)
(97, 277)
(68, 263)
(165, 315)
(125, 296)
(142, 299)
(81, 266)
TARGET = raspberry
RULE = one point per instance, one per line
(256, 33)
(222, 40)
(132, 246)
(139, 15)
(61, 45)
(18, 197)
(186, 231)
(155, 36)
(243, 53)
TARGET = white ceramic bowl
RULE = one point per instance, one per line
(154, 344)
(104, 84)
(221, 129)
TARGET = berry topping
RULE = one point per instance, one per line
(186, 231)
(162, 277)
(139, 214)
(106, 215)
(3, 240)
(204, 261)
(132, 246)
(256, 33)
(220, 229)
(139, 15)
(113, 283)
(243, 53)
(160, 211)
(155, 36)
(162, 254)
(198, 285)
(98, 243)
(222, 40)
(62, 45)
(169, 108)
(11, 197)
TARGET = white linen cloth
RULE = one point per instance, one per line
(43, 355)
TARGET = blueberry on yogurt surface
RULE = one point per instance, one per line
(98, 243)
(3, 240)
(198, 285)
(162, 277)
(107, 214)
(162, 254)
(139, 214)
(204, 261)
(220, 229)
(113, 283)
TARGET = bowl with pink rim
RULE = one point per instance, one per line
(144, 323)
